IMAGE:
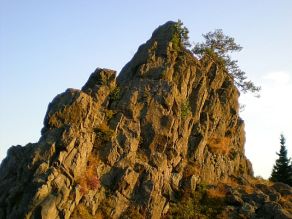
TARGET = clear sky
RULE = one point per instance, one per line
(48, 46)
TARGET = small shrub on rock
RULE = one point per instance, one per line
(90, 180)
(185, 109)
(115, 94)
(198, 204)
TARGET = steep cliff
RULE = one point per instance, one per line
(167, 124)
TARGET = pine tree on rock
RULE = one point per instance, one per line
(282, 169)
(218, 47)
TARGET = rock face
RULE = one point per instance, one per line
(168, 122)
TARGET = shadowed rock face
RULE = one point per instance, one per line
(168, 122)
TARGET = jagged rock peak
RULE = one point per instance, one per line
(159, 48)
(131, 147)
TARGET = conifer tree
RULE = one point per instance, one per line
(218, 46)
(282, 169)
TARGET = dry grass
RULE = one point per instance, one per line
(90, 180)
(203, 203)
(219, 145)
(259, 180)
(103, 127)
(218, 192)
(231, 182)
(286, 202)
(81, 212)
(248, 189)
(133, 212)
(287, 197)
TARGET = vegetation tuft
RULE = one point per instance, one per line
(181, 36)
(115, 94)
(109, 114)
(90, 180)
(185, 109)
(82, 212)
(202, 203)
(233, 154)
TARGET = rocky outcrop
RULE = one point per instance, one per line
(125, 147)
(237, 198)
(258, 200)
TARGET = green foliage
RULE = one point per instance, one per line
(181, 36)
(115, 94)
(233, 154)
(202, 188)
(82, 212)
(218, 46)
(140, 139)
(282, 170)
(132, 212)
(176, 41)
(197, 204)
(218, 42)
(109, 114)
(185, 109)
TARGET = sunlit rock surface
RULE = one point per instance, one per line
(129, 146)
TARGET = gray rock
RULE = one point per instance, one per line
(273, 210)
(282, 188)
(233, 198)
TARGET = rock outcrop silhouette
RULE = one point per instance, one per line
(132, 143)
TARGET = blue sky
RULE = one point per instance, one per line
(48, 46)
